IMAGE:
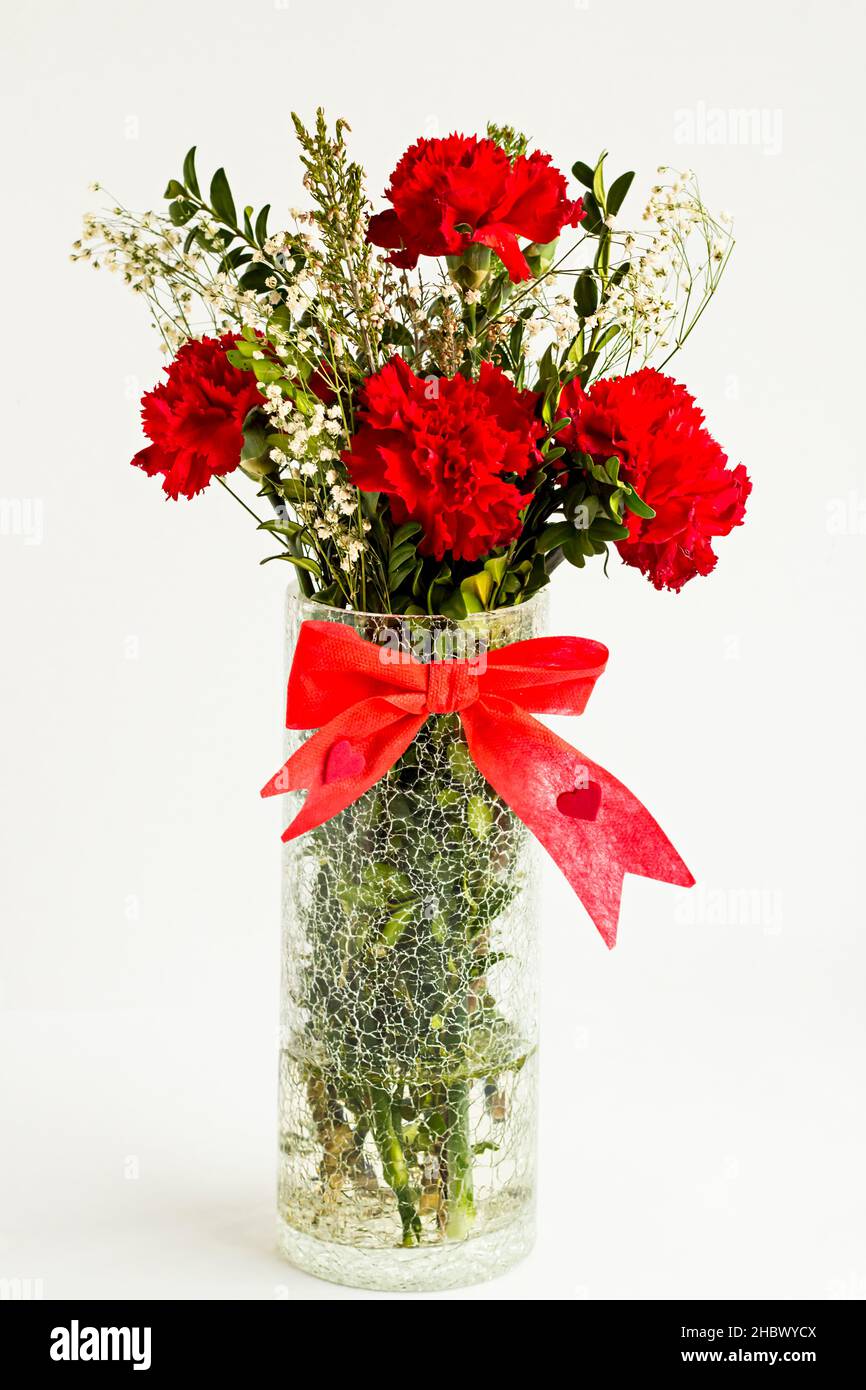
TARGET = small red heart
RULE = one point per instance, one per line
(343, 760)
(582, 803)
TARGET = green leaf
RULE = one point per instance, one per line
(267, 371)
(604, 530)
(332, 596)
(239, 359)
(400, 554)
(261, 227)
(477, 591)
(405, 533)
(548, 372)
(553, 536)
(256, 277)
(638, 506)
(514, 341)
(189, 174)
(594, 220)
(574, 550)
(582, 173)
(400, 573)
(398, 922)
(238, 257)
(608, 334)
(538, 577)
(280, 321)
(221, 199)
(479, 817)
(440, 579)
(292, 489)
(598, 180)
(281, 528)
(255, 442)
(301, 562)
(586, 294)
(460, 763)
(585, 365)
(573, 497)
(540, 256)
(180, 211)
(591, 507)
(602, 255)
(397, 335)
(618, 189)
(496, 566)
(619, 274)
(551, 400)
(174, 189)
(453, 606)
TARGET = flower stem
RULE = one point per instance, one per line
(394, 1166)
(458, 1152)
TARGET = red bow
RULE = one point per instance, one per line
(368, 704)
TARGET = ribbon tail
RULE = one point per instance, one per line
(592, 826)
(341, 761)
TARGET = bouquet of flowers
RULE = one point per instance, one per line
(436, 404)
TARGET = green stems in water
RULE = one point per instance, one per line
(386, 1126)
(404, 892)
(460, 1212)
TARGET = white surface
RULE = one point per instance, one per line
(703, 1124)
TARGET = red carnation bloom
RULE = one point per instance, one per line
(443, 187)
(439, 448)
(654, 427)
(195, 418)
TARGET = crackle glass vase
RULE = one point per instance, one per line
(407, 1111)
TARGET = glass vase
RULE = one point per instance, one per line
(408, 1038)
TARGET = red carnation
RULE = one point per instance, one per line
(439, 448)
(195, 418)
(448, 193)
(654, 427)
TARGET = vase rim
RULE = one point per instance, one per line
(331, 610)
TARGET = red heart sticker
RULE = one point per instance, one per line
(343, 760)
(582, 803)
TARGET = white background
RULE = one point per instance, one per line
(703, 1122)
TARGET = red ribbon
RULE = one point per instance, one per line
(368, 704)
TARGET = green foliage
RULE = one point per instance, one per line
(572, 523)
(316, 312)
(235, 242)
(514, 142)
